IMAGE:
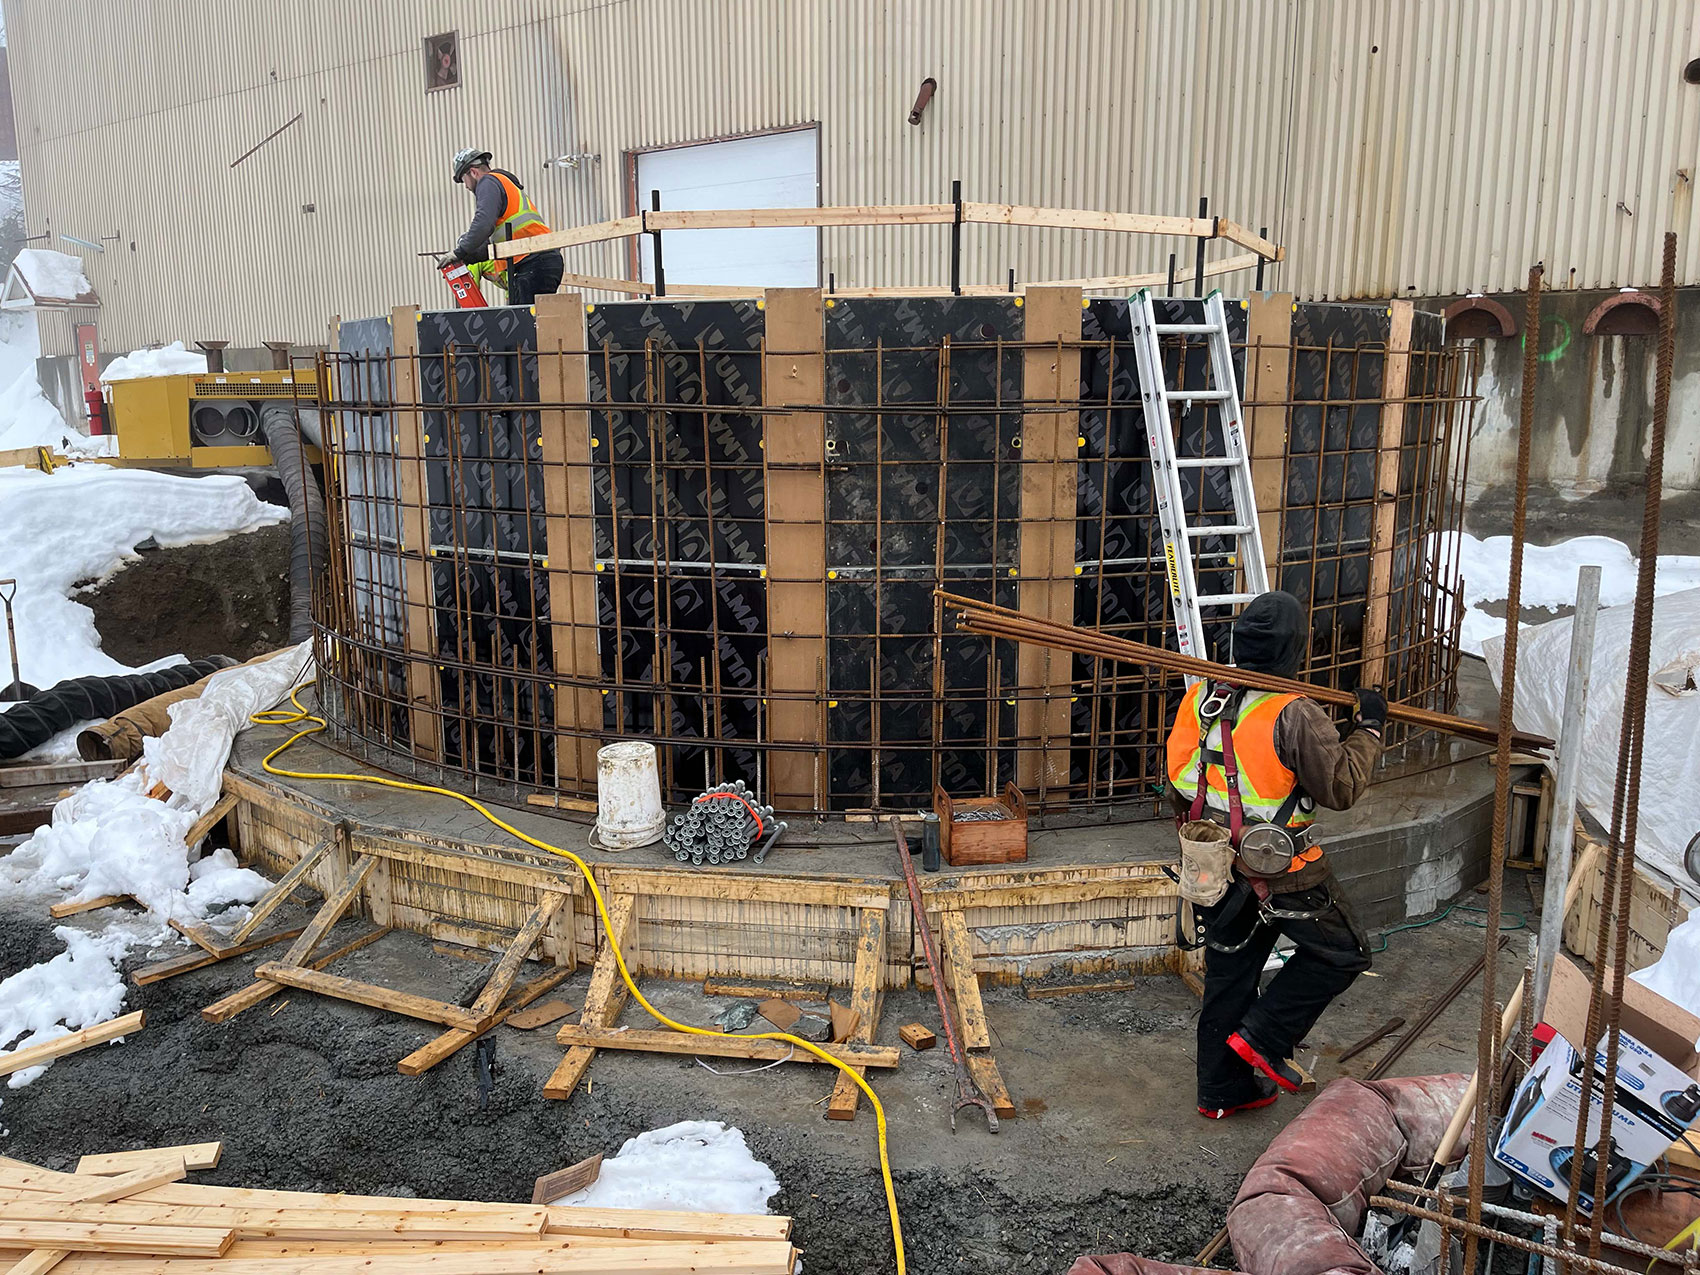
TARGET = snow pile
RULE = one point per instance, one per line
(27, 419)
(166, 360)
(1671, 764)
(110, 837)
(699, 1166)
(52, 276)
(1549, 576)
(80, 524)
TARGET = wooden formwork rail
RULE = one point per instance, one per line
(649, 222)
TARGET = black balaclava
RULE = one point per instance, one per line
(1270, 635)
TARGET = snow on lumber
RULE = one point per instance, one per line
(166, 360)
(699, 1165)
(54, 276)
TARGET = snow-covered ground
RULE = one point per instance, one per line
(1549, 576)
(699, 1166)
(59, 532)
(78, 525)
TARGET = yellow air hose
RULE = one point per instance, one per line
(285, 717)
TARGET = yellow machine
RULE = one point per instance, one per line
(205, 421)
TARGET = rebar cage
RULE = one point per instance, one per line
(719, 525)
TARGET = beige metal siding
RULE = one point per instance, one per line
(1395, 148)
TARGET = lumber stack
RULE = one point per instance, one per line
(132, 1213)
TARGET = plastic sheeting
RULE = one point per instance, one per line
(189, 758)
(1670, 769)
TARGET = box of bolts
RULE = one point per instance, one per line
(974, 830)
(725, 824)
(1657, 1097)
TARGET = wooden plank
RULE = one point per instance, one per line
(540, 1016)
(261, 1223)
(1269, 331)
(958, 953)
(735, 887)
(83, 1237)
(200, 958)
(569, 528)
(260, 989)
(424, 688)
(477, 866)
(132, 1182)
(865, 1002)
(603, 1001)
(794, 455)
(647, 1041)
(1046, 894)
(59, 772)
(59, 911)
(572, 236)
(194, 1155)
(567, 1181)
(330, 912)
(507, 969)
(1050, 370)
(1087, 219)
(1151, 279)
(1262, 248)
(767, 218)
(445, 1046)
(38, 1262)
(72, 1042)
(554, 800)
(207, 822)
(273, 898)
(805, 993)
(745, 1257)
(201, 937)
(350, 989)
(1395, 384)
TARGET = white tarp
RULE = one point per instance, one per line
(1669, 810)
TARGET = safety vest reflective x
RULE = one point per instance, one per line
(1265, 783)
(520, 220)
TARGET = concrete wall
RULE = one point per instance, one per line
(1593, 404)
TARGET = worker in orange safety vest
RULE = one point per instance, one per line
(504, 213)
(1260, 764)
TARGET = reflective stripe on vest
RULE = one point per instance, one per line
(1264, 782)
(520, 220)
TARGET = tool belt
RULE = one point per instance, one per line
(1234, 904)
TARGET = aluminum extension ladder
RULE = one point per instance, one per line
(1166, 466)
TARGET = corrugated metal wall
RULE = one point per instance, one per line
(1395, 148)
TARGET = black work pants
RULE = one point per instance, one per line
(1330, 954)
(538, 274)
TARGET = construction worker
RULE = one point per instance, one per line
(504, 213)
(1280, 757)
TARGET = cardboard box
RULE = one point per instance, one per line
(1658, 1090)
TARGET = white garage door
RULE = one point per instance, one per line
(776, 170)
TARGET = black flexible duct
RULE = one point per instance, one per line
(82, 699)
(307, 550)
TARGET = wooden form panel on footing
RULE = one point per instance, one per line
(1049, 455)
(1396, 378)
(1268, 380)
(424, 691)
(794, 452)
(569, 519)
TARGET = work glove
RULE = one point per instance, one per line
(446, 262)
(1371, 713)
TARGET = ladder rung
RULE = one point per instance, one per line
(1203, 462)
(1203, 396)
(1225, 599)
(1235, 529)
(1166, 328)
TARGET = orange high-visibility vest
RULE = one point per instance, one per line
(1265, 782)
(520, 220)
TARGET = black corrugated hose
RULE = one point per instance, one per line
(82, 699)
(307, 552)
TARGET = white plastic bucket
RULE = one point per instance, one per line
(628, 796)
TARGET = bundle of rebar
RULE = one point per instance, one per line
(722, 825)
(989, 620)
